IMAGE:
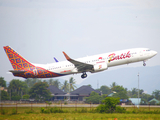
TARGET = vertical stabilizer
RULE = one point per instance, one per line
(17, 61)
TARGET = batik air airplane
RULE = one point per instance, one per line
(93, 64)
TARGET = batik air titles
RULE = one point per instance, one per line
(96, 63)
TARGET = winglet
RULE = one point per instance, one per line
(67, 57)
(55, 59)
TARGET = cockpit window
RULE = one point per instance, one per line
(148, 50)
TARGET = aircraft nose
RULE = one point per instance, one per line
(154, 53)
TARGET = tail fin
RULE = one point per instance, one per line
(17, 61)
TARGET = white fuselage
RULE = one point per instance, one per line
(110, 59)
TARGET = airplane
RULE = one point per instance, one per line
(93, 64)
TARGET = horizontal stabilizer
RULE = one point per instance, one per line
(16, 71)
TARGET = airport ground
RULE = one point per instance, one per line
(80, 116)
(75, 112)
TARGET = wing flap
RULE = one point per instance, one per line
(79, 65)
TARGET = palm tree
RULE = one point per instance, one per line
(50, 82)
(72, 83)
(31, 81)
(65, 86)
(56, 83)
(113, 85)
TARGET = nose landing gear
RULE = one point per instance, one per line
(84, 75)
(144, 64)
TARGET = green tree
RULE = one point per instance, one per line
(145, 98)
(15, 96)
(51, 81)
(4, 95)
(55, 83)
(40, 92)
(121, 92)
(65, 86)
(90, 85)
(2, 82)
(105, 89)
(113, 85)
(17, 86)
(94, 98)
(72, 83)
(134, 93)
(108, 105)
(129, 93)
(26, 96)
(156, 94)
(31, 81)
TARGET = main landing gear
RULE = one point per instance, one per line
(84, 75)
(144, 64)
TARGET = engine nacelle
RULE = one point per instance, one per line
(100, 67)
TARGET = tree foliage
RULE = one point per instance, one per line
(120, 92)
(40, 92)
(72, 83)
(18, 87)
(4, 95)
(134, 93)
(31, 81)
(56, 83)
(113, 85)
(94, 98)
(26, 96)
(108, 105)
(156, 94)
(90, 85)
(65, 86)
(15, 96)
(105, 89)
(2, 82)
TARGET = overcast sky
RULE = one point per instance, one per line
(41, 29)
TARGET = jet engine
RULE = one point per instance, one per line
(99, 67)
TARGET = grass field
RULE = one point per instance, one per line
(73, 114)
(80, 116)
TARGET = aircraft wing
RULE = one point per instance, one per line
(82, 67)
(16, 71)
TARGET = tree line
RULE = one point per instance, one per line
(37, 89)
(33, 88)
(123, 93)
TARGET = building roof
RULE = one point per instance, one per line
(154, 99)
(54, 90)
(84, 90)
(111, 94)
(135, 100)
